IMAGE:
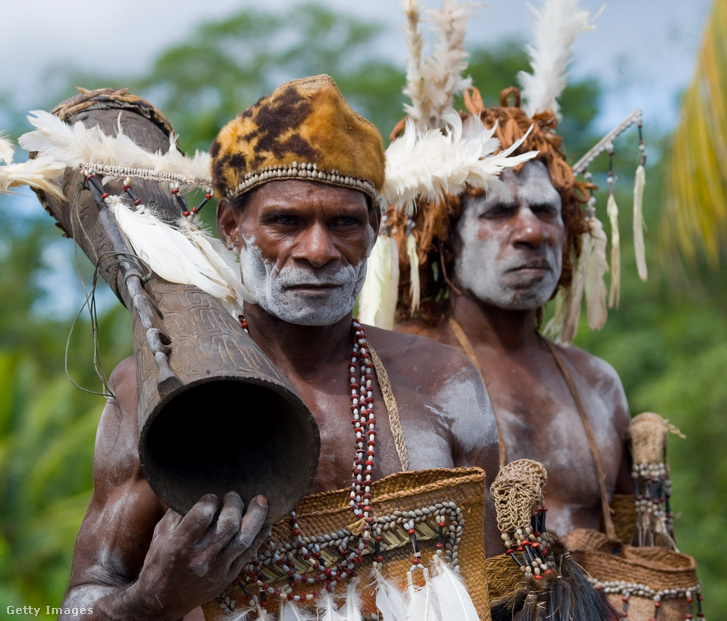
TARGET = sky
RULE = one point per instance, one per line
(643, 51)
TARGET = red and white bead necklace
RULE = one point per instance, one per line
(364, 423)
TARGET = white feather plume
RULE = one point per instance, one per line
(76, 145)
(389, 600)
(179, 257)
(639, 245)
(352, 608)
(291, 612)
(449, 59)
(572, 302)
(327, 610)
(39, 174)
(422, 602)
(615, 291)
(455, 604)
(595, 270)
(417, 85)
(557, 24)
(6, 149)
(414, 284)
(263, 615)
(430, 164)
(377, 300)
(563, 325)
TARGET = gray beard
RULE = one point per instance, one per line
(271, 288)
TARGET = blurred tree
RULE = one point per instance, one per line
(695, 221)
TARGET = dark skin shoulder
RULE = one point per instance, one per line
(538, 419)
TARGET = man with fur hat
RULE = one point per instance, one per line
(298, 175)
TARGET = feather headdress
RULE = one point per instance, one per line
(558, 23)
(427, 165)
(593, 264)
(432, 83)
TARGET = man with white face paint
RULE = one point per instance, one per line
(501, 257)
(298, 175)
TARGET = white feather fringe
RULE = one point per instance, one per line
(639, 245)
(377, 300)
(595, 270)
(389, 600)
(429, 164)
(327, 610)
(422, 604)
(76, 145)
(557, 24)
(186, 256)
(417, 86)
(352, 608)
(414, 286)
(6, 150)
(455, 604)
(290, 611)
(39, 174)
(614, 294)
(449, 59)
(563, 326)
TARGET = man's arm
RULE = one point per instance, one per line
(132, 560)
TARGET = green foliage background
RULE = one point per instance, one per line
(667, 340)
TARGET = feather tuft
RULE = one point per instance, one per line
(615, 291)
(176, 256)
(563, 326)
(639, 246)
(449, 59)
(289, 611)
(455, 604)
(352, 608)
(414, 285)
(427, 165)
(377, 300)
(557, 24)
(76, 145)
(39, 174)
(595, 270)
(327, 610)
(421, 601)
(389, 600)
(6, 149)
(417, 87)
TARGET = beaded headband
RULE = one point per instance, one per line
(303, 130)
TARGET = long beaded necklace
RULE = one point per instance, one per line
(364, 426)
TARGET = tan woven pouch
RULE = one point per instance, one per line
(418, 496)
(658, 569)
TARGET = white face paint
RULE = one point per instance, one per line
(298, 294)
(512, 250)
